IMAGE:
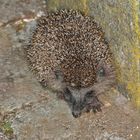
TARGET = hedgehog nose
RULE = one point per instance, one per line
(76, 114)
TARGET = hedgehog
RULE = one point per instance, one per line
(68, 52)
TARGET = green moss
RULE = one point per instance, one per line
(81, 5)
(6, 128)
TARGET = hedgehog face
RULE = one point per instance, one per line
(81, 101)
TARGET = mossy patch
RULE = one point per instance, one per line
(7, 129)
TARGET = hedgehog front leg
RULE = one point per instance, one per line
(95, 105)
(92, 102)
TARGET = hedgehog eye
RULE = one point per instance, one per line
(89, 94)
(89, 97)
(67, 95)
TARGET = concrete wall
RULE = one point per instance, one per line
(120, 21)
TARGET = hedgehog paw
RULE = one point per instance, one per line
(96, 105)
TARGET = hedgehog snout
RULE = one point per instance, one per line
(75, 103)
(76, 114)
(77, 108)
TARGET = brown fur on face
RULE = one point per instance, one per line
(68, 53)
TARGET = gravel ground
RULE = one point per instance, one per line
(29, 112)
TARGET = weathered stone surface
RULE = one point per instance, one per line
(120, 21)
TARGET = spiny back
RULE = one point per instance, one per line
(69, 42)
